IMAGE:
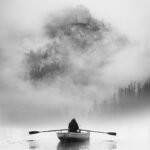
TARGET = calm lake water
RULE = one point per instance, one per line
(21, 140)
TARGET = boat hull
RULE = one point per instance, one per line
(73, 137)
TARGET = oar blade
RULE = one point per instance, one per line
(112, 133)
(34, 132)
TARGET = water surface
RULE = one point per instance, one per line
(21, 140)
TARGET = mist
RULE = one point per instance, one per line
(56, 61)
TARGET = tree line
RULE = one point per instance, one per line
(134, 97)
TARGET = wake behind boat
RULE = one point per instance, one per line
(73, 136)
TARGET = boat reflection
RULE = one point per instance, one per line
(88, 145)
(73, 146)
(111, 145)
(33, 145)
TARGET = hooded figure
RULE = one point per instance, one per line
(73, 126)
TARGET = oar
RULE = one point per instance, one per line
(35, 132)
(110, 133)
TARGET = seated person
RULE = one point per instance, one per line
(73, 126)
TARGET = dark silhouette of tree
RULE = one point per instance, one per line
(133, 97)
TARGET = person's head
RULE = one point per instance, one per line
(73, 119)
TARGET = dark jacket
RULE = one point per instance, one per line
(73, 126)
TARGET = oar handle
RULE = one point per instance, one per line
(110, 133)
(35, 132)
(55, 130)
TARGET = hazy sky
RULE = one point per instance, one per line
(21, 29)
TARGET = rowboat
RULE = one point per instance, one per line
(73, 136)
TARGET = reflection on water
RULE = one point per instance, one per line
(20, 140)
(73, 146)
(111, 145)
(33, 145)
(103, 145)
